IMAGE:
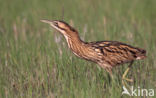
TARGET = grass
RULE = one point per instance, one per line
(35, 61)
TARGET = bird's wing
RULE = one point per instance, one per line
(115, 53)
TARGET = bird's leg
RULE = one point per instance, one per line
(125, 73)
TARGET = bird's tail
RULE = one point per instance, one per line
(141, 54)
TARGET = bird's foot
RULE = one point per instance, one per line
(124, 77)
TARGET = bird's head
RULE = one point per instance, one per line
(61, 26)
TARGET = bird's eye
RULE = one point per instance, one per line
(56, 24)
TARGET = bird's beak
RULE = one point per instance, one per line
(46, 21)
(52, 23)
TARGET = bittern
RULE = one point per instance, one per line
(107, 54)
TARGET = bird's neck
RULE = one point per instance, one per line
(78, 47)
(75, 43)
(73, 40)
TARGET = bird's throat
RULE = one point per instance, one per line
(73, 41)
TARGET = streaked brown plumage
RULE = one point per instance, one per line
(107, 54)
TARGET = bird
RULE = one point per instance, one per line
(107, 54)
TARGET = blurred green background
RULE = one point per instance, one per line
(35, 61)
